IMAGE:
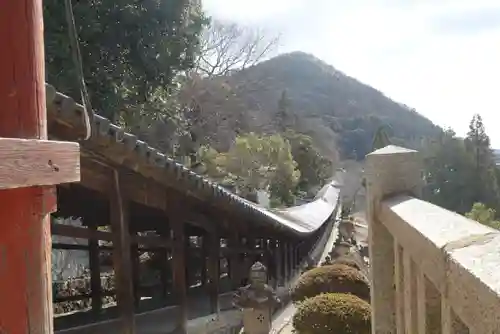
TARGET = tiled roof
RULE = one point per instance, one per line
(303, 219)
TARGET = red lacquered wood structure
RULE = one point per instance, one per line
(30, 166)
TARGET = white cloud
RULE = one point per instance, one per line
(435, 56)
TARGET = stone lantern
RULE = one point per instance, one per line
(257, 300)
(341, 249)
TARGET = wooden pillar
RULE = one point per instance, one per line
(273, 263)
(234, 244)
(205, 257)
(25, 250)
(297, 256)
(166, 271)
(284, 249)
(278, 260)
(214, 271)
(136, 271)
(122, 256)
(250, 246)
(95, 274)
(249, 258)
(291, 259)
(268, 261)
(179, 271)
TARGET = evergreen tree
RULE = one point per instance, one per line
(478, 143)
(484, 184)
(132, 50)
(380, 139)
(449, 173)
(283, 117)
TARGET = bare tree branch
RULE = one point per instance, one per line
(228, 47)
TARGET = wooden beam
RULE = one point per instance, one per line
(95, 176)
(90, 234)
(122, 256)
(80, 232)
(151, 241)
(36, 162)
(241, 250)
(145, 191)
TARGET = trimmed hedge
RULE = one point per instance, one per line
(338, 278)
(333, 313)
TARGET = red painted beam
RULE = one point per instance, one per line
(25, 288)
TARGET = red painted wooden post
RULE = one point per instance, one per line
(25, 288)
(26, 166)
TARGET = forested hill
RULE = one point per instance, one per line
(338, 111)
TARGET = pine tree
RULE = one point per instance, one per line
(380, 139)
(484, 184)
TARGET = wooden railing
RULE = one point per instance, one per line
(433, 271)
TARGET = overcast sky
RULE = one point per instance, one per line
(441, 57)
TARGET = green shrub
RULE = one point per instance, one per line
(333, 313)
(332, 278)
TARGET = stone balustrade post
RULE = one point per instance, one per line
(391, 170)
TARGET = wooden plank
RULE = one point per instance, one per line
(36, 162)
(122, 256)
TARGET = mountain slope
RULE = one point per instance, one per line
(339, 112)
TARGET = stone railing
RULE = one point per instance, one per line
(433, 271)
